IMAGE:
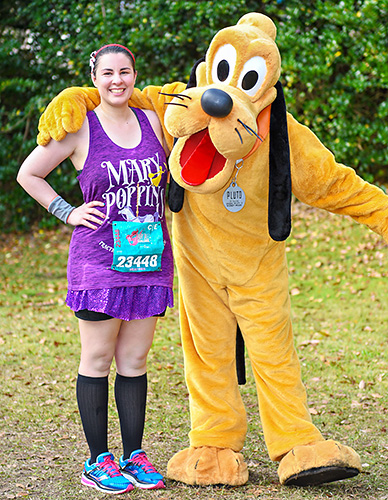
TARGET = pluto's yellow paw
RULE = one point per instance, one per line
(317, 463)
(208, 465)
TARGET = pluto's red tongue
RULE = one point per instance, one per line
(199, 159)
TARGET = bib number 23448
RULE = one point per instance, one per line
(138, 246)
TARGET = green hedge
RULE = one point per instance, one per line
(334, 71)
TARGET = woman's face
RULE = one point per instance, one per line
(115, 78)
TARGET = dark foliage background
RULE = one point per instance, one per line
(335, 71)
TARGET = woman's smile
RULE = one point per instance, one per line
(117, 91)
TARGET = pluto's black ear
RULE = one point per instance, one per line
(279, 201)
(193, 78)
(176, 193)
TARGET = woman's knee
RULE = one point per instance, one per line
(131, 363)
(134, 342)
(95, 364)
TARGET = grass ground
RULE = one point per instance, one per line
(339, 296)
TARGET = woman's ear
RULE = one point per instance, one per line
(92, 76)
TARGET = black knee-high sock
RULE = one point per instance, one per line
(131, 398)
(92, 398)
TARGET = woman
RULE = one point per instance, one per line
(120, 268)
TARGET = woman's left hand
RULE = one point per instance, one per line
(86, 215)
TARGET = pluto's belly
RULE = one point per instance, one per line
(226, 247)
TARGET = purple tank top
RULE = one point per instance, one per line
(132, 184)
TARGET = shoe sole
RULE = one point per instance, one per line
(143, 486)
(86, 481)
(321, 475)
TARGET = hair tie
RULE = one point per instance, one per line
(93, 55)
(92, 61)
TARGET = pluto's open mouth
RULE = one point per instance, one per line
(200, 160)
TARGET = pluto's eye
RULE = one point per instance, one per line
(223, 64)
(252, 75)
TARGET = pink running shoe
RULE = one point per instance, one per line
(104, 475)
(140, 472)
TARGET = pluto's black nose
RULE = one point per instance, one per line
(216, 102)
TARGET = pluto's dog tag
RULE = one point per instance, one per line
(234, 197)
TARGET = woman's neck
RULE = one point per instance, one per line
(116, 115)
(120, 124)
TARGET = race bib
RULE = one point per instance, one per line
(137, 247)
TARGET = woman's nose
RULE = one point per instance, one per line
(117, 77)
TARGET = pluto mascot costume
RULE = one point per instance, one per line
(236, 156)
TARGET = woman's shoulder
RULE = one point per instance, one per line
(72, 140)
(79, 143)
(151, 115)
(156, 126)
(153, 119)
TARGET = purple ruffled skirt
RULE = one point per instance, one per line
(126, 303)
